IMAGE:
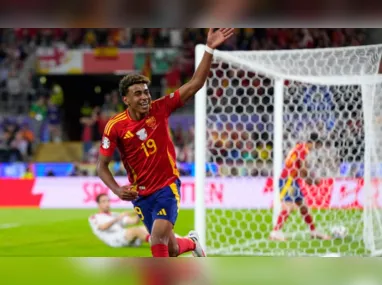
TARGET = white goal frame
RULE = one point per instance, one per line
(201, 135)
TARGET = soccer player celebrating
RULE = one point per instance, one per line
(292, 198)
(141, 135)
(109, 226)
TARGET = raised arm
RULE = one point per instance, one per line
(214, 39)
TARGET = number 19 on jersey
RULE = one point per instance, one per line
(149, 147)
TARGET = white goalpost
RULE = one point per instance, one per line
(200, 153)
(255, 107)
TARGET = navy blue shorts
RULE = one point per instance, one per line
(163, 204)
(290, 190)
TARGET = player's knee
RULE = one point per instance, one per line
(161, 232)
(130, 235)
(159, 239)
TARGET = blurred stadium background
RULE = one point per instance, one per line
(58, 88)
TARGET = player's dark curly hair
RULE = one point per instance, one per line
(99, 196)
(130, 80)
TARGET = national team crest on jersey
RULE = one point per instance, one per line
(151, 122)
(105, 143)
(142, 134)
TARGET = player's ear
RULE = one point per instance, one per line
(125, 100)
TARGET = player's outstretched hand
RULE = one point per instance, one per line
(216, 38)
(128, 193)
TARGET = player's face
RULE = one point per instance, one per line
(138, 98)
(104, 204)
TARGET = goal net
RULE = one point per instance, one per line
(255, 108)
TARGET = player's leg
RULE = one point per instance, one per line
(198, 251)
(134, 233)
(167, 207)
(179, 245)
(115, 239)
(287, 206)
(305, 213)
(164, 202)
(308, 218)
(143, 208)
(160, 237)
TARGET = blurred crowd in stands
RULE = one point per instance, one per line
(94, 120)
(244, 39)
(18, 43)
(16, 141)
(42, 106)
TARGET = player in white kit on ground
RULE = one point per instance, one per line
(110, 227)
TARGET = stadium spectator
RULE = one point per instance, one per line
(19, 145)
(93, 153)
(28, 174)
(87, 123)
(38, 113)
(86, 109)
(57, 95)
(76, 171)
(50, 173)
(101, 118)
(112, 104)
(116, 104)
(54, 121)
(173, 78)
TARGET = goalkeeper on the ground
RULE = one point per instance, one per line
(291, 195)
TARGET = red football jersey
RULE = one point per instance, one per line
(147, 151)
(294, 161)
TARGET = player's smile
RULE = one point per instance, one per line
(144, 105)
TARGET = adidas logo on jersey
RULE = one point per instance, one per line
(162, 213)
(128, 135)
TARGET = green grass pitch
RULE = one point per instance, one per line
(62, 233)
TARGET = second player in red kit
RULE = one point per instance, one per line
(142, 137)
